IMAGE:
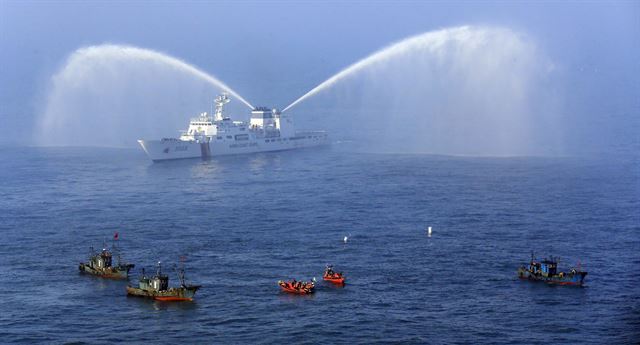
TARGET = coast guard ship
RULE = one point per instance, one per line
(268, 130)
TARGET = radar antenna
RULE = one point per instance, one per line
(220, 101)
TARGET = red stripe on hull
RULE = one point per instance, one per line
(563, 283)
(551, 281)
(169, 299)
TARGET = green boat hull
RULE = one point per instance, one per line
(117, 272)
(184, 293)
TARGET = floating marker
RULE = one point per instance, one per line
(345, 239)
(429, 231)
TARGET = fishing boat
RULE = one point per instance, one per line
(100, 264)
(332, 276)
(546, 271)
(297, 287)
(157, 287)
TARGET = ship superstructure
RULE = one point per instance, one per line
(216, 134)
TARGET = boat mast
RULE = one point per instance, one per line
(220, 101)
(115, 250)
(180, 272)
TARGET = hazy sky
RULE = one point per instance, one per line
(273, 52)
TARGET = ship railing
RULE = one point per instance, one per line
(310, 132)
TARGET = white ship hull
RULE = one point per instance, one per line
(166, 149)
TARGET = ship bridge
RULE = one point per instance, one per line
(271, 120)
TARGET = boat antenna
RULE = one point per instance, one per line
(115, 249)
(220, 101)
(180, 274)
(159, 272)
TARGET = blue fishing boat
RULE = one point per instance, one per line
(546, 271)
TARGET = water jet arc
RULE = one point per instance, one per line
(426, 40)
(124, 51)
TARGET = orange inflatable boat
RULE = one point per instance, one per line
(297, 287)
(334, 277)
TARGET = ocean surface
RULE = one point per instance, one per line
(245, 222)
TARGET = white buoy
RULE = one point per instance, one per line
(429, 231)
(346, 238)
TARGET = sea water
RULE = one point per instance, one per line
(244, 222)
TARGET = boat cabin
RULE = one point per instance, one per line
(545, 268)
(549, 267)
(102, 260)
(159, 282)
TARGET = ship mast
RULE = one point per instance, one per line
(220, 102)
(180, 272)
(116, 251)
